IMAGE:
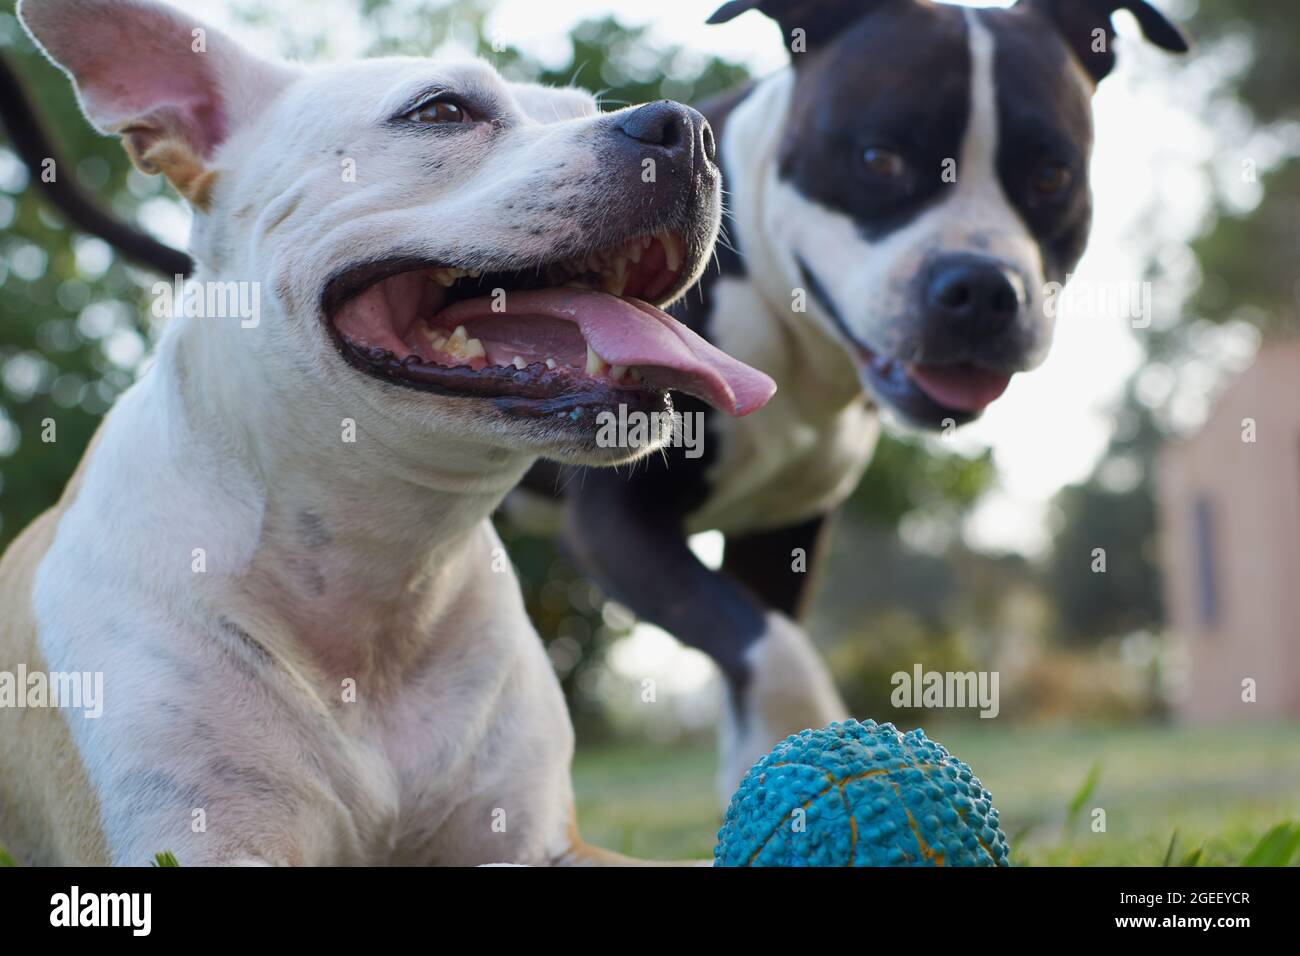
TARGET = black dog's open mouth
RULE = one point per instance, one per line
(538, 340)
(930, 395)
(927, 395)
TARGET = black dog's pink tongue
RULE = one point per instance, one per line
(965, 388)
(630, 332)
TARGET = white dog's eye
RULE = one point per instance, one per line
(440, 110)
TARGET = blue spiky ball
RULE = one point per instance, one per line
(869, 795)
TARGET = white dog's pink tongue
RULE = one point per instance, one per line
(964, 388)
(630, 332)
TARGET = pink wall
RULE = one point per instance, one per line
(1253, 496)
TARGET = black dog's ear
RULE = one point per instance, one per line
(818, 19)
(775, 9)
(1087, 28)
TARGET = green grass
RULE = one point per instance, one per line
(1186, 796)
(1173, 796)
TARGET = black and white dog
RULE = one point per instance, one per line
(899, 197)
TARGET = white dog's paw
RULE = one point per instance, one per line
(789, 690)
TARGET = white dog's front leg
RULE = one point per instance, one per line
(789, 690)
(207, 821)
(142, 837)
(201, 751)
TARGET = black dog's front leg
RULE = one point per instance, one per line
(636, 550)
(637, 553)
(780, 565)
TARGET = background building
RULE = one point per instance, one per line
(1229, 503)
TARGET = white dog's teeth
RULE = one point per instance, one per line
(672, 251)
(550, 363)
(459, 345)
(595, 364)
(448, 275)
(634, 250)
(616, 372)
(474, 273)
(519, 363)
(436, 339)
(463, 347)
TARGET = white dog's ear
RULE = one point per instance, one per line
(173, 88)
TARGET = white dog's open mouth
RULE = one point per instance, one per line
(545, 339)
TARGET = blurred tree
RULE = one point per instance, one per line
(70, 309)
(1113, 512)
(909, 474)
(1247, 261)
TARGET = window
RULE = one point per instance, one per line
(1207, 597)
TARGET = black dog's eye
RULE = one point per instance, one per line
(440, 109)
(1052, 178)
(882, 162)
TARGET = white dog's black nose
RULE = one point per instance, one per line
(678, 130)
(971, 299)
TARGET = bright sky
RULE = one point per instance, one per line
(1152, 140)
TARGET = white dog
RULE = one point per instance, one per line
(276, 552)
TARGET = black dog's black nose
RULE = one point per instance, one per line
(973, 297)
(677, 129)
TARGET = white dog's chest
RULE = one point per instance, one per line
(216, 744)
